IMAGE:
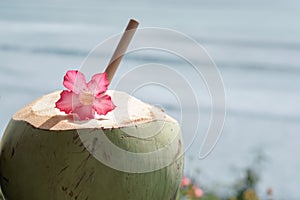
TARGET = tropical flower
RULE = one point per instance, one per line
(85, 99)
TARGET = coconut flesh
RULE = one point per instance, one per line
(132, 153)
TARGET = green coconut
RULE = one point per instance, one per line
(135, 152)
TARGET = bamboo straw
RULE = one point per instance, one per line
(121, 49)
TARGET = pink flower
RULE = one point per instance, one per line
(197, 191)
(84, 99)
(185, 181)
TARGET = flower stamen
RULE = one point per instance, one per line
(86, 98)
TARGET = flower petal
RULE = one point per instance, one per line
(85, 112)
(68, 100)
(98, 84)
(74, 80)
(103, 104)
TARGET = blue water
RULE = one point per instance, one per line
(255, 44)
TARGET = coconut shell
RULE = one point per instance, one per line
(134, 153)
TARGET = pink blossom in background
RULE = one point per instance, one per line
(185, 181)
(197, 191)
(85, 99)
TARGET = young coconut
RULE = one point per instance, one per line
(134, 152)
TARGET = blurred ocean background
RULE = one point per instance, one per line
(255, 44)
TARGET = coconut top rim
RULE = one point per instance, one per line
(129, 111)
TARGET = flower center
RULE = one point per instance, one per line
(86, 98)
